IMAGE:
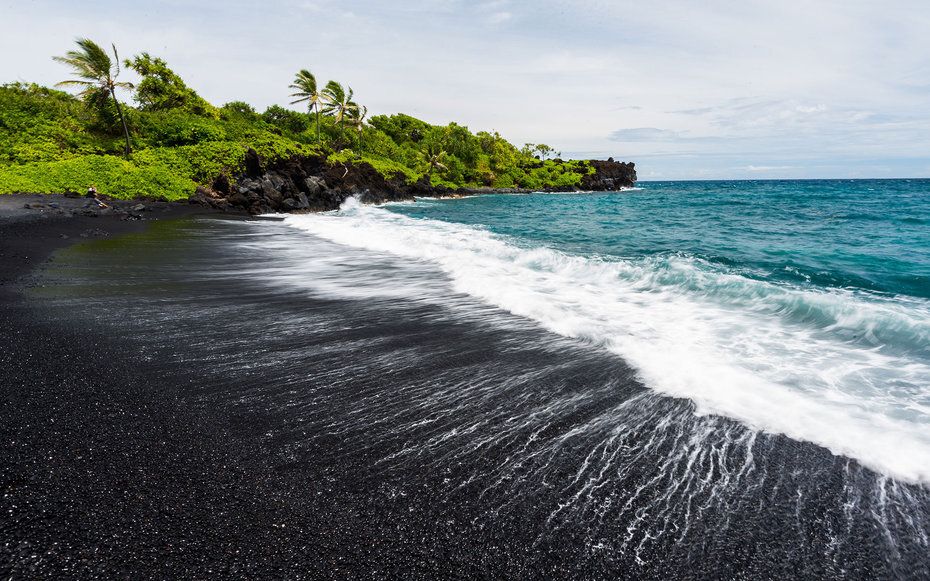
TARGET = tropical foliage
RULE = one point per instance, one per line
(305, 84)
(358, 122)
(51, 141)
(162, 90)
(96, 77)
(339, 105)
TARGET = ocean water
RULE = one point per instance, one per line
(707, 380)
(795, 307)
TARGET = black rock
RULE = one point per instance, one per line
(221, 184)
(253, 163)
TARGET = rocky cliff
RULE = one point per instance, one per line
(609, 175)
(311, 184)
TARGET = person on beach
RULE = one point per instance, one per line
(92, 193)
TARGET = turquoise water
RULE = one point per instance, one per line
(795, 307)
(866, 234)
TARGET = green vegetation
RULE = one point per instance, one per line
(51, 141)
(96, 76)
(340, 106)
(162, 90)
(305, 83)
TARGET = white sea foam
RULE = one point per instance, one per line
(844, 370)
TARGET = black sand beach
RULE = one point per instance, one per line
(204, 398)
(119, 465)
(105, 473)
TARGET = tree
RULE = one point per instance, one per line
(162, 90)
(285, 119)
(402, 129)
(458, 141)
(305, 83)
(358, 121)
(544, 150)
(433, 155)
(339, 104)
(97, 74)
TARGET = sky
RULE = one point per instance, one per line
(717, 89)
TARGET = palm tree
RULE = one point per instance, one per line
(433, 156)
(358, 121)
(97, 73)
(339, 104)
(305, 83)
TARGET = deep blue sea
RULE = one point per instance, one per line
(795, 307)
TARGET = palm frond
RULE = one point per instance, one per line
(116, 62)
(93, 55)
(93, 64)
(304, 83)
(335, 92)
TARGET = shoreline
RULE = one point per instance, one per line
(120, 461)
(223, 398)
(108, 470)
(34, 226)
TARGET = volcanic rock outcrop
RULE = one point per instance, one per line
(311, 184)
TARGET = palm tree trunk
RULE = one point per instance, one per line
(122, 120)
(317, 124)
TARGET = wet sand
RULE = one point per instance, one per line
(33, 226)
(106, 473)
(118, 464)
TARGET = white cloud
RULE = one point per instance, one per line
(643, 134)
(499, 17)
(768, 167)
(810, 110)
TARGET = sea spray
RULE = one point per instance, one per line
(844, 368)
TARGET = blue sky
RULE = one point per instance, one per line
(687, 90)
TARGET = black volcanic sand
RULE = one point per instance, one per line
(170, 414)
(119, 463)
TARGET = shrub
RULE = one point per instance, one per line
(113, 176)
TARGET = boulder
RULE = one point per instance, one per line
(248, 185)
(221, 184)
(277, 181)
(203, 197)
(315, 184)
(267, 188)
(238, 200)
(271, 193)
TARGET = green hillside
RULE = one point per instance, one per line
(52, 141)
